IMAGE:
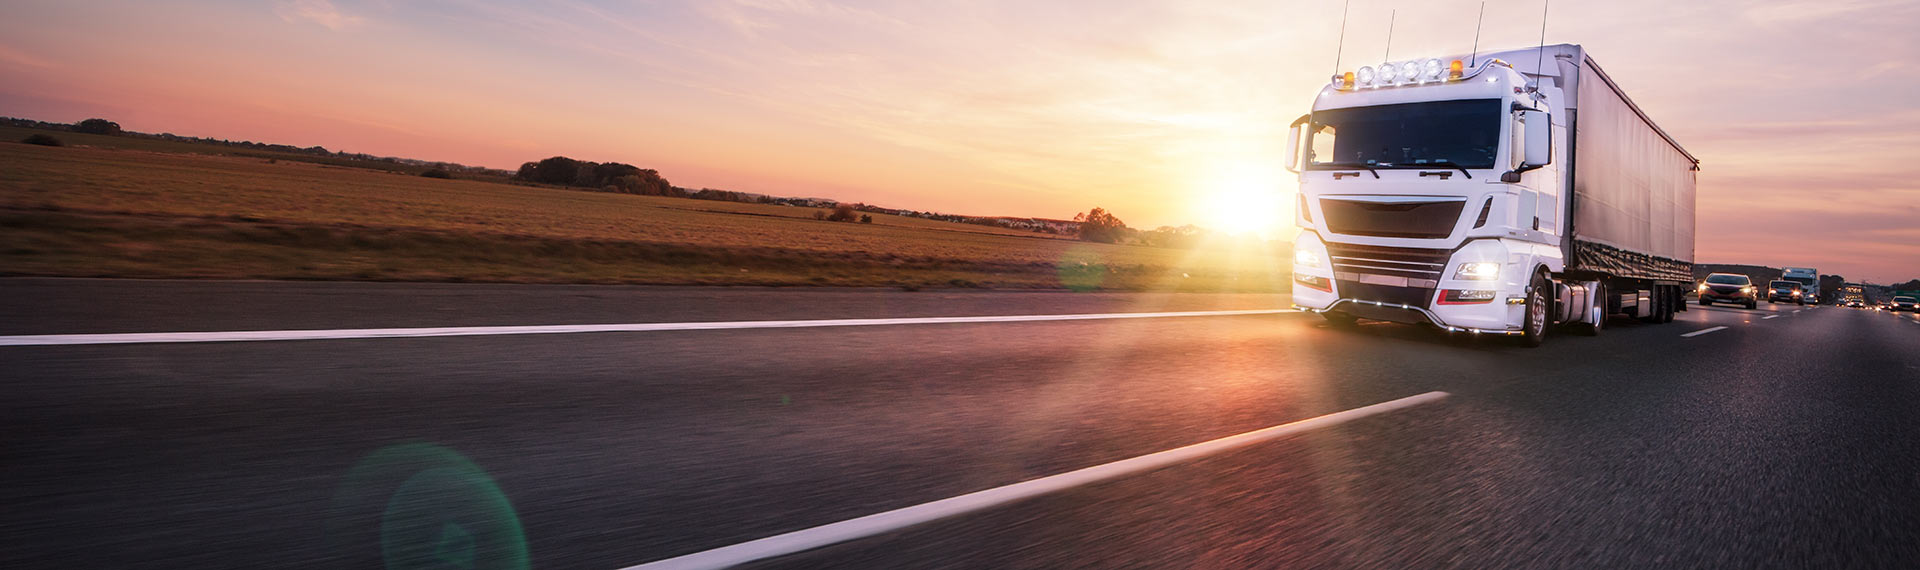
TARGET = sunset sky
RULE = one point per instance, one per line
(1805, 115)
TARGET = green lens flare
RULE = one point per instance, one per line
(422, 506)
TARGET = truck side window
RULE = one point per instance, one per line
(1322, 150)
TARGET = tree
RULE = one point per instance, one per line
(1830, 286)
(557, 170)
(842, 213)
(97, 127)
(1097, 225)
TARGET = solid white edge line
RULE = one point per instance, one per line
(889, 521)
(1770, 317)
(1703, 331)
(335, 334)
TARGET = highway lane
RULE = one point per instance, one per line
(1637, 447)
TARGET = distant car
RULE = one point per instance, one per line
(1855, 303)
(1904, 303)
(1729, 288)
(1784, 291)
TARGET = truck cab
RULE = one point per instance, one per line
(1437, 191)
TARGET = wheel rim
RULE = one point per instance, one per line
(1536, 312)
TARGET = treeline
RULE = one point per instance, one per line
(609, 177)
(105, 127)
(1099, 225)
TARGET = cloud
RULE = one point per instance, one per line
(17, 58)
(321, 12)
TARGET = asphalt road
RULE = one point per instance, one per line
(1790, 442)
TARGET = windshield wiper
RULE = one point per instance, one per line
(1360, 165)
(1444, 162)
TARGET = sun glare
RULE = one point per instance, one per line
(1245, 201)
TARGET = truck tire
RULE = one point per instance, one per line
(1670, 303)
(1533, 330)
(1650, 313)
(1596, 312)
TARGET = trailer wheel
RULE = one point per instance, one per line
(1534, 329)
(1665, 306)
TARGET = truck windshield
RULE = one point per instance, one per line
(1462, 133)
(1804, 281)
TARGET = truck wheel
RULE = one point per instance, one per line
(1650, 312)
(1670, 303)
(1534, 328)
(1596, 312)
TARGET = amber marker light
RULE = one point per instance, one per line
(1455, 70)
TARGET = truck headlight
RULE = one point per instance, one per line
(1478, 271)
(1306, 258)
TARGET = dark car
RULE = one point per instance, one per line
(1729, 288)
(1904, 303)
(1784, 291)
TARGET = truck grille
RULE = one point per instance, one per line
(1397, 275)
(1418, 265)
(1423, 220)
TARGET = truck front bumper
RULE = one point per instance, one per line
(1367, 289)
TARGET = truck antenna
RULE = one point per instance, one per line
(1340, 48)
(1476, 34)
(1541, 56)
(1390, 17)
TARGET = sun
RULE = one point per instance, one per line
(1245, 200)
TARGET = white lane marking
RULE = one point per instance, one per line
(1796, 311)
(1702, 331)
(889, 521)
(333, 334)
(1770, 317)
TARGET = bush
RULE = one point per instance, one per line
(43, 140)
(97, 127)
(440, 173)
(842, 213)
(866, 219)
(819, 215)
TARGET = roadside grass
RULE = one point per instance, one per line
(97, 211)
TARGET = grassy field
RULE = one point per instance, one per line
(102, 208)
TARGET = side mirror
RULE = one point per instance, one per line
(1293, 144)
(1538, 140)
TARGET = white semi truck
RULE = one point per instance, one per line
(1495, 193)
(1808, 277)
